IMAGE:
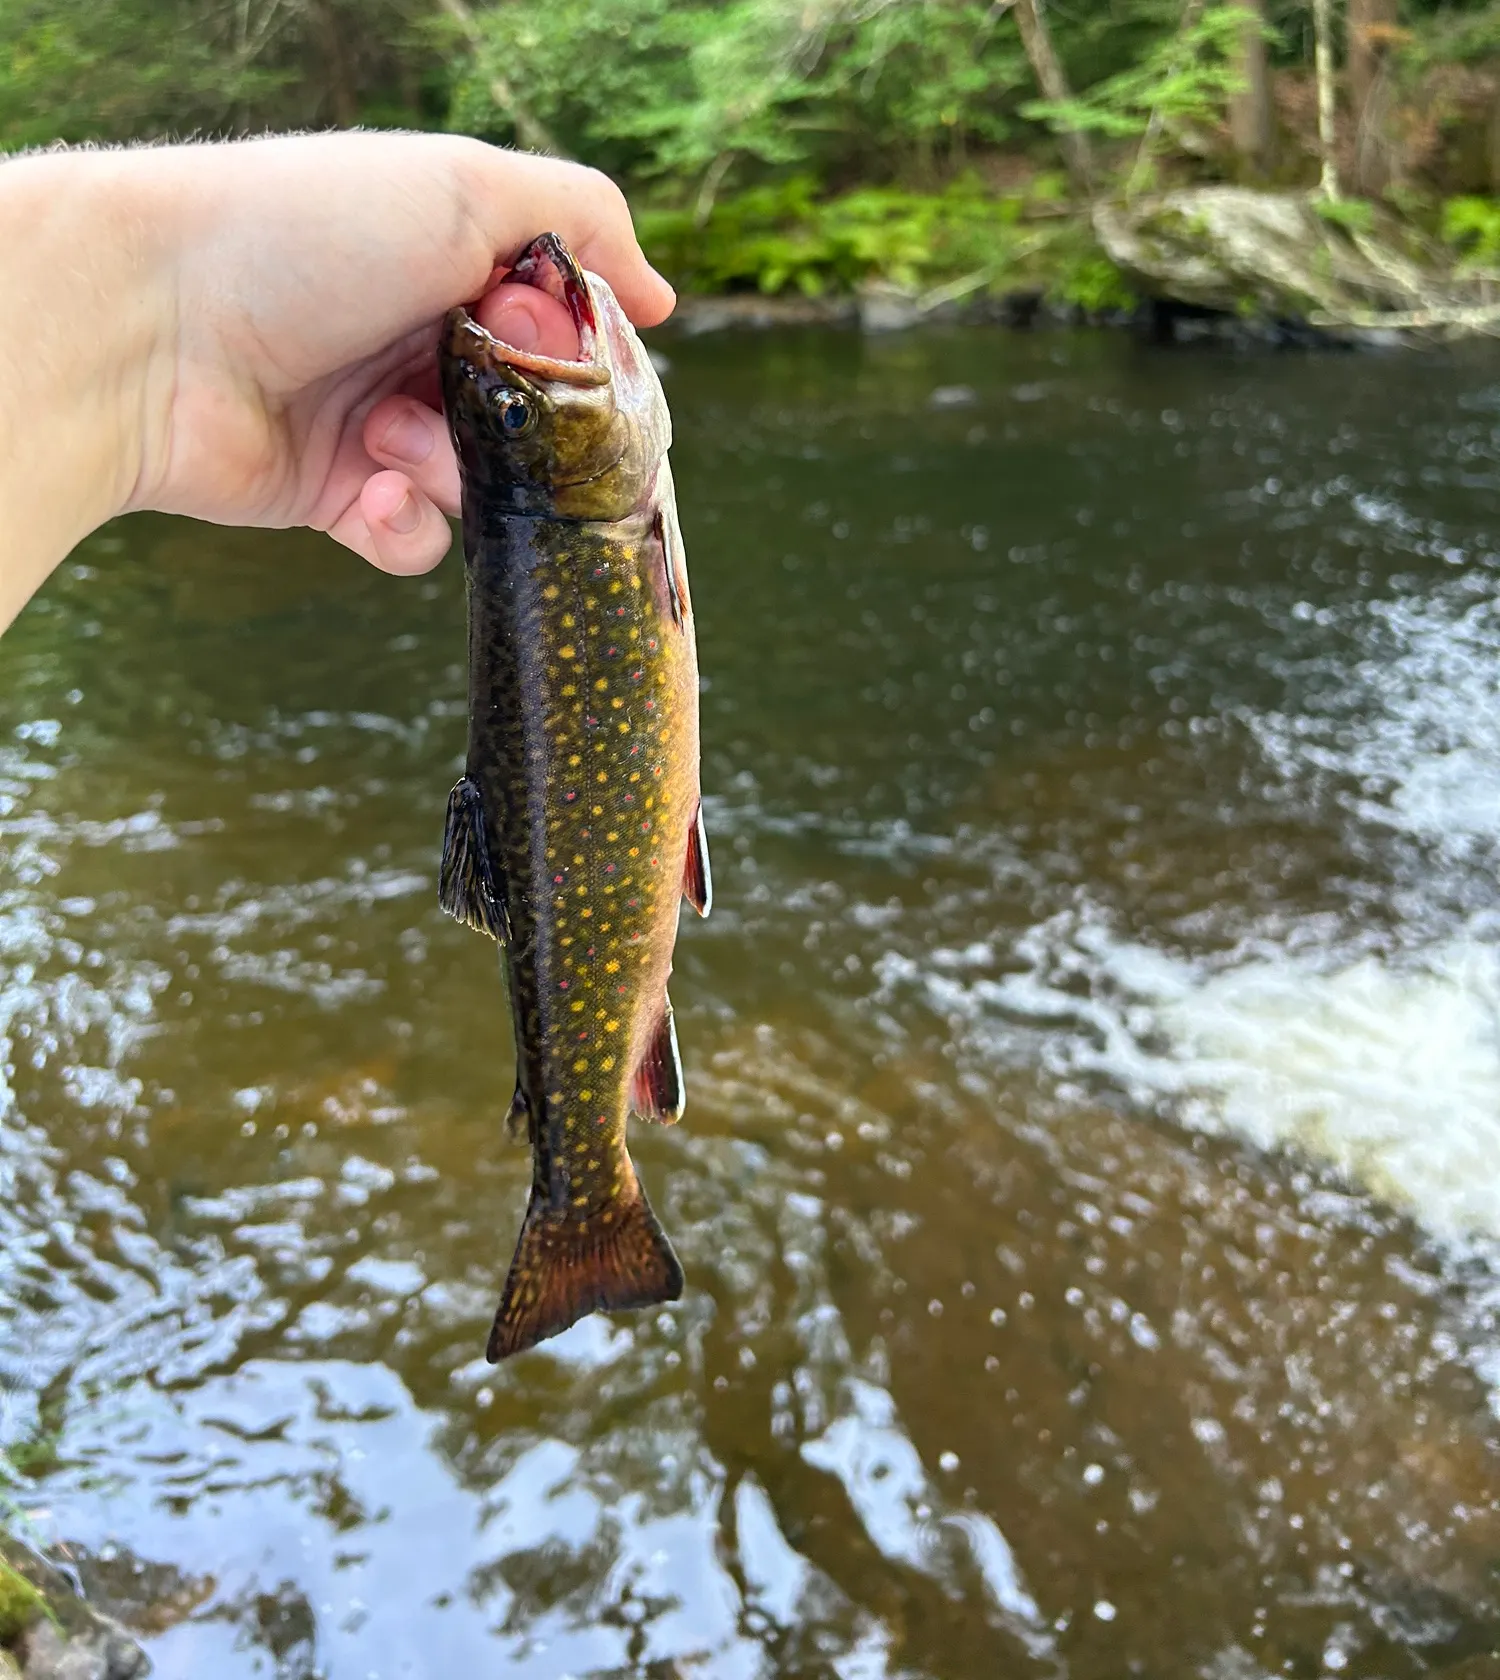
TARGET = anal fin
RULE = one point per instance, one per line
(568, 1265)
(656, 1091)
(466, 883)
(697, 877)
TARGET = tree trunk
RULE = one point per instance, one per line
(1370, 23)
(1327, 94)
(530, 130)
(1037, 40)
(342, 101)
(1251, 119)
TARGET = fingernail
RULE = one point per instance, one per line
(408, 439)
(517, 326)
(406, 516)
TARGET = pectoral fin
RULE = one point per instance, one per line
(656, 1090)
(518, 1116)
(698, 880)
(466, 884)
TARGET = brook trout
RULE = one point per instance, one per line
(577, 827)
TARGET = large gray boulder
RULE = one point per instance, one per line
(1242, 251)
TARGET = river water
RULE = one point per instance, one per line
(1088, 1185)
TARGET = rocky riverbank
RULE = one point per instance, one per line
(48, 1632)
(1203, 263)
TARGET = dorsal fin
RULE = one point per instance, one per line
(697, 879)
(656, 1088)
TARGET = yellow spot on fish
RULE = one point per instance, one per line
(598, 810)
(602, 684)
(635, 775)
(575, 758)
(581, 1065)
(585, 1096)
(635, 851)
(550, 592)
(635, 634)
(568, 652)
(624, 727)
(580, 1201)
(578, 857)
(581, 890)
(612, 966)
(617, 702)
(611, 1026)
(616, 587)
(608, 1064)
(614, 834)
(577, 1006)
(593, 1166)
(604, 775)
(568, 621)
(569, 690)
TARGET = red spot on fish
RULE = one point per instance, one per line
(650, 705)
(656, 771)
(635, 676)
(633, 903)
(645, 827)
(651, 643)
(562, 985)
(619, 612)
(599, 571)
(609, 869)
(570, 796)
(591, 721)
(583, 1035)
(635, 749)
(557, 880)
(603, 1120)
(612, 650)
(591, 950)
(653, 863)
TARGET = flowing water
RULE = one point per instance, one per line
(1088, 1189)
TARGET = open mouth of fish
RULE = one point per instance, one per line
(549, 266)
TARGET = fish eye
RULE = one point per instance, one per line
(515, 412)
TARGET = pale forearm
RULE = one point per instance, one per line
(85, 305)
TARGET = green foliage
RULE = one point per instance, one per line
(783, 238)
(1473, 226)
(127, 69)
(20, 1604)
(1357, 215)
(1184, 77)
(690, 92)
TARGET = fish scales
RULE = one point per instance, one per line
(576, 829)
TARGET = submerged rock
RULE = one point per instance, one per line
(1239, 251)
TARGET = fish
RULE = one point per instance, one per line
(576, 829)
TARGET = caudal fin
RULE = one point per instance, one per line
(568, 1265)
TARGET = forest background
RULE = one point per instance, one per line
(822, 146)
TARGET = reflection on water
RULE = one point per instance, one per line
(1086, 1188)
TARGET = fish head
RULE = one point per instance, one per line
(579, 439)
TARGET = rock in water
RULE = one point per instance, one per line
(1233, 249)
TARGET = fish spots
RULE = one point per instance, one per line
(611, 1026)
(568, 621)
(607, 1065)
(581, 1065)
(550, 592)
(562, 985)
(570, 797)
(568, 651)
(575, 759)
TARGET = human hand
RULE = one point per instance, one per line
(246, 333)
(311, 277)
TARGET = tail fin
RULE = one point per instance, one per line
(568, 1265)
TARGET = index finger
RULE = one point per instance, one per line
(516, 196)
